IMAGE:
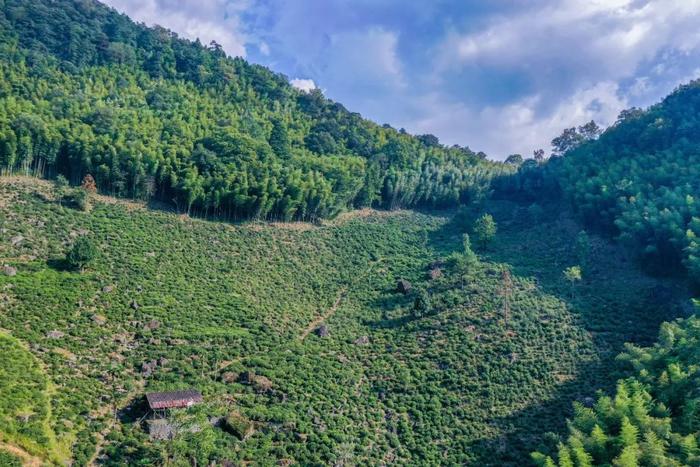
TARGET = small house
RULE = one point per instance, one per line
(173, 399)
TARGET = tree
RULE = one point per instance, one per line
(60, 186)
(279, 141)
(573, 275)
(583, 249)
(81, 254)
(485, 230)
(568, 140)
(421, 304)
(468, 256)
(538, 155)
(514, 159)
(589, 131)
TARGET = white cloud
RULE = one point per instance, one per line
(305, 85)
(206, 20)
(516, 127)
(364, 58)
(582, 59)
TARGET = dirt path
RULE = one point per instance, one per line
(28, 460)
(326, 315)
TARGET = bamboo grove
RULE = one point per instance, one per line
(83, 90)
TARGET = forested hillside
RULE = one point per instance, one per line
(84, 90)
(638, 182)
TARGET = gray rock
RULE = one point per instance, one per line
(9, 271)
(362, 340)
(55, 334)
(16, 240)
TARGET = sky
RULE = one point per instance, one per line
(497, 76)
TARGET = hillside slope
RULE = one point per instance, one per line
(173, 302)
(84, 90)
(640, 181)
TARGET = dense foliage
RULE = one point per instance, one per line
(639, 181)
(493, 356)
(654, 417)
(83, 90)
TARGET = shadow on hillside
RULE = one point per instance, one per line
(59, 264)
(616, 303)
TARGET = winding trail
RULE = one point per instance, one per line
(326, 315)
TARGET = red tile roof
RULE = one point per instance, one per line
(173, 399)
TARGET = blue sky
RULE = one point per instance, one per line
(499, 76)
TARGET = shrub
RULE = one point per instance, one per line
(78, 199)
(81, 254)
(421, 304)
(485, 229)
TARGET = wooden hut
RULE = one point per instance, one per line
(173, 399)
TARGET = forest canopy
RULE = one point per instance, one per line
(84, 90)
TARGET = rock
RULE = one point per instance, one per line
(147, 368)
(403, 286)
(362, 340)
(322, 331)
(16, 240)
(435, 273)
(54, 335)
(262, 384)
(162, 361)
(9, 271)
(134, 305)
(108, 289)
(588, 402)
(229, 377)
(99, 319)
(152, 325)
(150, 254)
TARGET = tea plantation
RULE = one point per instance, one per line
(296, 336)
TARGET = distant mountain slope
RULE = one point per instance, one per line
(84, 90)
(639, 181)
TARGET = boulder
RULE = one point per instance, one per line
(99, 319)
(152, 325)
(322, 331)
(9, 271)
(362, 340)
(435, 273)
(147, 368)
(54, 334)
(108, 289)
(403, 286)
(16, 240)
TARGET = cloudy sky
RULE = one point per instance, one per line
(499, 76)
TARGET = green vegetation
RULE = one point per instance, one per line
(653, 419)
(494, 363)
(9, 460)
(485, 230)
(637, 182)
(25, 404)
(81, 253)
(295, 333)
(152, 116)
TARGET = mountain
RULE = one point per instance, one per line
(151, 116)
(363, 333)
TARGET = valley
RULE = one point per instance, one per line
(210, 301)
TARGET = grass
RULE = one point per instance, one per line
(463, 385)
